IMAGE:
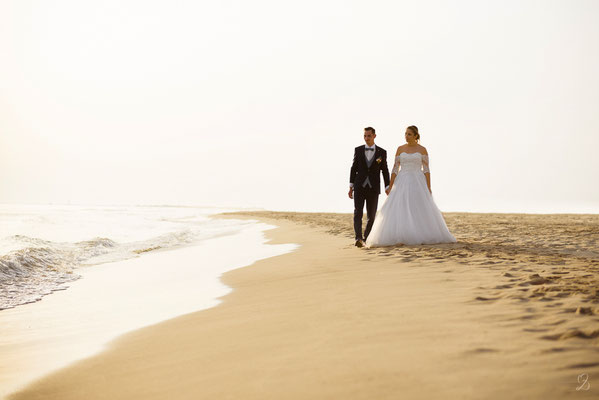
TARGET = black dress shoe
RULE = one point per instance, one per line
(359, 243)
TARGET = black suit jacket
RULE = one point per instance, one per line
(360, 171)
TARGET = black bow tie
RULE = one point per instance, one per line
(369, 149)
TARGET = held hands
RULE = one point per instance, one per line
(388, 189)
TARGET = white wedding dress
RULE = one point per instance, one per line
(409, 214)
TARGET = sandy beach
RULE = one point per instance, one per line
(510, 311)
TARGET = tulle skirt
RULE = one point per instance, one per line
(409, 215)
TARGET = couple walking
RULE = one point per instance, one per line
(409, 214)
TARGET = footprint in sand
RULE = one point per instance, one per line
(571, 334)
(561, 321)
(586, 311)
(583, 365)
(481, 298)
(481, 350)
(554, 304)
(506, 286)
(558, 349)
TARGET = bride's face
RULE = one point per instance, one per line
(410, 138)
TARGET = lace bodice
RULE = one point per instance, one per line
(411, 162)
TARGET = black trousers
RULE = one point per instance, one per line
(371, 198)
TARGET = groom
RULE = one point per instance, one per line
(365, 182)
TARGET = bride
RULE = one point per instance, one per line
(409, 214)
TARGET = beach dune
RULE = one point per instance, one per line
(510, 311)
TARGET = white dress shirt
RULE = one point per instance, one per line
(370, 153)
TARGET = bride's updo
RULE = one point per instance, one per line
(414, 129)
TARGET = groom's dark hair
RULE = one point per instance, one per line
(371, 129)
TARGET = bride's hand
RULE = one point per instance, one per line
(388, 190)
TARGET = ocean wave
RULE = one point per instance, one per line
(39, 267)
(29, 273)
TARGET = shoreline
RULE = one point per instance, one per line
(332, 321)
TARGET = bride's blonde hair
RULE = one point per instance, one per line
(414, 129)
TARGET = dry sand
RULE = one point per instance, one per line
(510, 311)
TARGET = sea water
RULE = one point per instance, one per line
(43, 248)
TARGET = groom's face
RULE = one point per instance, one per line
(369, 137)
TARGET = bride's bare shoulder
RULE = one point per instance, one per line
(399, 149)
(423, 151)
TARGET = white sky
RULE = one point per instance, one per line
(260, 104)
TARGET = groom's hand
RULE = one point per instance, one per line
(351, 193)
